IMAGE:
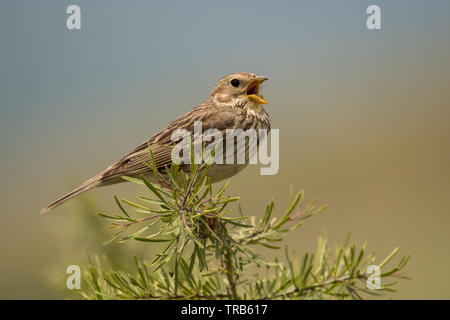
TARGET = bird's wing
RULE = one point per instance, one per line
(137, 160)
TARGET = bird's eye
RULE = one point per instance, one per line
(235, 83)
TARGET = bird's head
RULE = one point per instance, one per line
(239, 88)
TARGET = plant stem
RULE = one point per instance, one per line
(230, 270)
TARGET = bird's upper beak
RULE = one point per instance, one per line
(252, 91)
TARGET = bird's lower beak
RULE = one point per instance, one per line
(252, 91)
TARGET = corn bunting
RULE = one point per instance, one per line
(234, 103)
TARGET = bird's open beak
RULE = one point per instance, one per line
(252, 91)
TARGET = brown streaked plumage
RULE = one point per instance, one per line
(234, 103)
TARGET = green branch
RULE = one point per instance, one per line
(208, 253)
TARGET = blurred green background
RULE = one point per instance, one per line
(363, 118)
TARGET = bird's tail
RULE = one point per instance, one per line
(89, 184)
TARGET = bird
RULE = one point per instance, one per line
(234, 103)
